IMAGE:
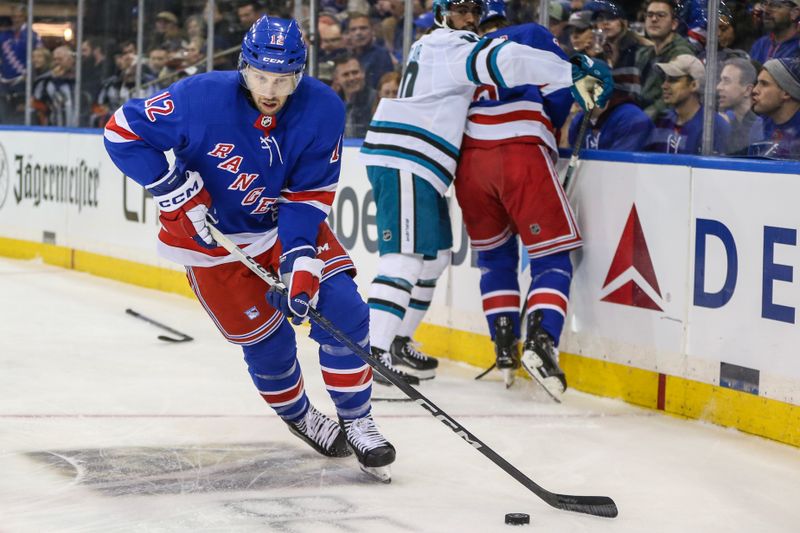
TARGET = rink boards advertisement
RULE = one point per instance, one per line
(684, 296)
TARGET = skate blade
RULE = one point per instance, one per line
(509, 375)
(421, 374)
(380, 473)
(552, 385)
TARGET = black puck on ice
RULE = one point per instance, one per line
(518, 519)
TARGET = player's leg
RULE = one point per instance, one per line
(548, 231)
(501, 301)
(479, 186)
(347, 377)
(404, 350)
(234, 299)
(405, 205)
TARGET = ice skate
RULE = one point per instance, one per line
(540, 358)
(506, 347)
(373, 451)
(404, 352)
(321, 433)
(386, 358)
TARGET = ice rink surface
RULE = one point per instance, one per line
(105, 428)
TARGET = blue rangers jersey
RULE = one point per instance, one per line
(528, 113)
(269, 177)
(421, 131)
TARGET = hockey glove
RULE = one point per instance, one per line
(300, 272)
(183, 205)
(592, 83)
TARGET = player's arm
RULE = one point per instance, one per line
(304, 204)
(504, 63)
(136, 138)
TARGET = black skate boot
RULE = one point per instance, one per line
(506, 348)
(373, 451)
(405, 353)
(386, 358)
(321, 433)
(540, 358)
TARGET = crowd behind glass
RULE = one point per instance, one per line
(656, 48)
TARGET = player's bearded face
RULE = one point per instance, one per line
(269, 90)
(464, 16)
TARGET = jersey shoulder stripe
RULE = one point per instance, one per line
(472, 60)
(491, 66)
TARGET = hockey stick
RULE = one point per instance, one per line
(576, 149)
(593, 505)
(183, 336)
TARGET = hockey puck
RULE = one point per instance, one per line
(518, 519)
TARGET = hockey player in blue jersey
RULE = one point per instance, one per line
(259, 148)
(411, 151)
(509, 191)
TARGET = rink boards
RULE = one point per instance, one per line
(684, 297)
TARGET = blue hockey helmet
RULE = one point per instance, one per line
(273, 56)
(441, 7)
(274, 45)
(494, 9)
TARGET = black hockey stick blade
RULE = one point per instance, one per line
(479, 376)
(182, 337)
(593, 505)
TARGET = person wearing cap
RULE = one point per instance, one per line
(661, 25)
(558, 15)
(679, 130)
(581, 34)
(621, 45)
(776, 97)
(167, 32)
(780, 20)
(734, 93)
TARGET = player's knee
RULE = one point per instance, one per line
(553, 264)
(343, 306)
(404, 266)
(432, 269)
(273, 354)
(504, 257)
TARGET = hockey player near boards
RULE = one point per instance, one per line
(260, 149)
(411, 150)
(508, 188)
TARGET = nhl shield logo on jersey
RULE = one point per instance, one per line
(252, 313)
(536, 229)
(266, 121)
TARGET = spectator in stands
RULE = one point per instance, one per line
(660, 25)
(167, 32)
(97, 65)
(780, 20)
(41, 59)
(194, 54)
(375, 60)
(734, 91)
(620, 47)
(726, 37)
(619, 125)
(13, 59)
(194, 26)
(248, 13)
(388, 86)
(331, 44)
(357, 95)
(679, 129)
(581, 34)
(557, 17)
(53, 93)
(226, 36)
(776, 97)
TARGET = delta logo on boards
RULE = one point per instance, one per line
(631, 278)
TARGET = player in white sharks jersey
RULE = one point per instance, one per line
(411, 151)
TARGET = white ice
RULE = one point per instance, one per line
(104, 428)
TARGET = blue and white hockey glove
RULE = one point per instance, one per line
(301, 272)
(183, 204)
(592, 83)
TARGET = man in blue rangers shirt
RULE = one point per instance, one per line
(776, 97)
(679, 130)
(264, 144)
